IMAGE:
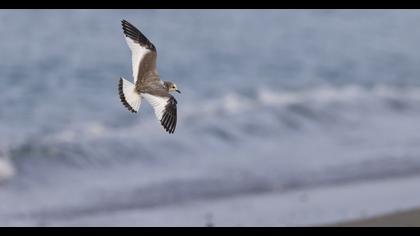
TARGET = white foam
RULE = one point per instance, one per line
(6, 169)
(320, 94)
(233, 103)
(318, 97)
(96, 129)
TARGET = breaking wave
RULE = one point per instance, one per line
(229, 122)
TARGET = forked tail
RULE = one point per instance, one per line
(128, 95)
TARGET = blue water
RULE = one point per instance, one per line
(272, 100)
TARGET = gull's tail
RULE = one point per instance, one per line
(128, 95)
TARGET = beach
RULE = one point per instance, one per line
(410, 218)
(323, 206)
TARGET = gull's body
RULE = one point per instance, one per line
(147, 83)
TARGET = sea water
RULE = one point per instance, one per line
(272, 101)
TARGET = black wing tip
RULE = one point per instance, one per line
(168, 122)
(169, 128)
(124, 22)
(122, 97)
(127, 26)
(135, 34)
(169, 118)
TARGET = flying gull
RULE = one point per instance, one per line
(147, 83)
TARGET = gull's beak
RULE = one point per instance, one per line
(178, 91)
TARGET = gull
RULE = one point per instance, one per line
(147, 83)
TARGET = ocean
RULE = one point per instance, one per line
(273, 101)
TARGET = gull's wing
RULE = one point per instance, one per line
(143, 53)
(165, 110)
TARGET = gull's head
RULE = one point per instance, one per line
(171, 86)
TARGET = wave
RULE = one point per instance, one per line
(346, 119)
(7, 170)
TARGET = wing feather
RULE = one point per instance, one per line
(165, 109)
(139, 46)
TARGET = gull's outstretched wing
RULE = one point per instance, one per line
(143, 53)
(165, 110)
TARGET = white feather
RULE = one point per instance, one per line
(137, 54)
(158, 104)
(131, 96)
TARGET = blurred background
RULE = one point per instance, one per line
(286, 118)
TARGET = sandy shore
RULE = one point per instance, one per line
(410, 218)
(322, 206)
